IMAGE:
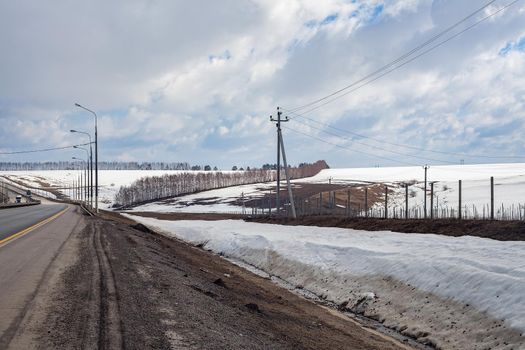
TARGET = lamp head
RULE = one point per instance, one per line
(78, 105)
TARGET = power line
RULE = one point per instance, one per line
(377, 147)
(348, 148)
(440, 167)
(400, 58)
(44, 149)
(464, 155)
(366, 82)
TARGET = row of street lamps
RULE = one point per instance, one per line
(89, 159)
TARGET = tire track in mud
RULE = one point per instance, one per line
(109, 323)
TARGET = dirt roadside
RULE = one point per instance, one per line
(130, 288)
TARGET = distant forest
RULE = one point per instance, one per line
(70, 165)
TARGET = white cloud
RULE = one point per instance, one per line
(198, 80)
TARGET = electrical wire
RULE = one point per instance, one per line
(348, 148)
(400, 58)
(44, 149)
(463, 155)
(442, 167)
(366, 82)
(377, 147)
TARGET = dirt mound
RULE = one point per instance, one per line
(498, 230)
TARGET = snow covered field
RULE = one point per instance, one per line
(461, 293)
(109, 180)
(509, 186)
(509, 182)
(214, 201)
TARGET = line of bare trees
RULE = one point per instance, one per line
(103, 165)
(154, 188)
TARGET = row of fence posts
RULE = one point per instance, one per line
(315, 205)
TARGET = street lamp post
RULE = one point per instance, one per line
(96, 153)
(83, 191)
(90, 164)
(87, 166)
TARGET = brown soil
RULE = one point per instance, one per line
(134, 289)
(305, 191)
(189, 216)
(498, 230)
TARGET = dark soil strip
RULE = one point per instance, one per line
(188, 216)
(498, 230)
(166, 294)
(196, 299)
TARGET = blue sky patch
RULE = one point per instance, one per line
(327, 20)
(376, 13)
(518, 45)
(223, 56)
(311, 23)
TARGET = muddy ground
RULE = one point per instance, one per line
(498, 230)
(325, 195)
(131, 288)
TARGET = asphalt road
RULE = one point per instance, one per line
(13, 220)
(27, 261)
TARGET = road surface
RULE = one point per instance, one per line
(30, 238)
(17, 219)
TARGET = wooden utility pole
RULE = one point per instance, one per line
(432, 200)
(406, 201)
(386, 202)
(290, 194)
(459, 207)
(348, 203)
(492, 198)
(278, 191)
(366, 201)
(280, 148)
(425, 202)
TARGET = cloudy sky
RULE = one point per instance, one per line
(197, 80)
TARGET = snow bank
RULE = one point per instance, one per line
(471, 288)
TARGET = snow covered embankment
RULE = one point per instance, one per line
(457, 293)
